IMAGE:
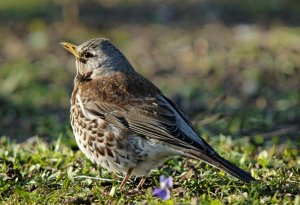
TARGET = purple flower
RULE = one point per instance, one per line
(163, 191)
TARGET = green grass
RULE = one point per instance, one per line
(37, 172)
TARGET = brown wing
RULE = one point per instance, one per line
(152, 117)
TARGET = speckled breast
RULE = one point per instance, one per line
(100, 142)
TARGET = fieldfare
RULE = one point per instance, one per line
(124, 123)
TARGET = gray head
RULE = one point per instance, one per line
(98, 57)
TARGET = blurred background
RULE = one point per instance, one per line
(233, 66)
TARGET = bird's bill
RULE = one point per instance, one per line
(71, 48)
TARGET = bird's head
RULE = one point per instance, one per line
(98, 57)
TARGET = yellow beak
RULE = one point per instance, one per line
(71, 48)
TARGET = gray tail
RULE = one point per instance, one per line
(223, 164)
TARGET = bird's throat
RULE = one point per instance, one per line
(84, 77)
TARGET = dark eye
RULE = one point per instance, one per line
(88, 54)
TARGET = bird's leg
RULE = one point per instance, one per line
(142, 181)
(126, 178)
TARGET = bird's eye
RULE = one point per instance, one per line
(88, 54)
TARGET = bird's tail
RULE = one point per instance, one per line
(223, 164)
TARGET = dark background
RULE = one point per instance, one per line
(233, 66)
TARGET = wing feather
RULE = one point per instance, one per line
(155, 119)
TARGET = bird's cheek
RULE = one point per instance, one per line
(91, 66)
(99, 65)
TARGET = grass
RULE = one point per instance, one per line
(37, 172)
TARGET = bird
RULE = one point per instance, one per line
(124, 123)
